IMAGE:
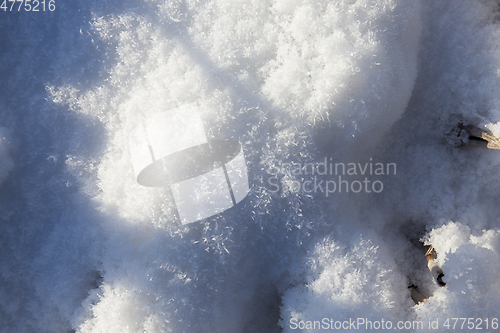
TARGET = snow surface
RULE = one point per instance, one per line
(6, 163)
(84, 248)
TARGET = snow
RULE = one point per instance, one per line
(85, 248)
(472, 266)
(6, 162)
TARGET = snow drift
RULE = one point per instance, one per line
(85, 248)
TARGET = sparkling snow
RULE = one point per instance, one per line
(85, 248)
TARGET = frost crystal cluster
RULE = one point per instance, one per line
(85, 248)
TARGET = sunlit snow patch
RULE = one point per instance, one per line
(172, 149)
